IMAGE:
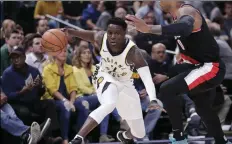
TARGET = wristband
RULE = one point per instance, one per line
(64, 99)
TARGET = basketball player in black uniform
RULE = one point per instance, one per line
(204, 69)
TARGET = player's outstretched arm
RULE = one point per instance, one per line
(90, 36)
(188, 20)
(135, 58)
(83, 34)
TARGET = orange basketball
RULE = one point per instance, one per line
(53, 41)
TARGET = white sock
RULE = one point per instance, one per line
(193, 114)
(124, 135)
(79, 137)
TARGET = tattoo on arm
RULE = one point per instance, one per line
(135, 58)
(189, 10)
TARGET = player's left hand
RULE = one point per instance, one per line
(138, 23)
(156, 105)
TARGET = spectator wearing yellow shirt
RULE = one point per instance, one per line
(61, 85)
(83, 69)
(53, 8)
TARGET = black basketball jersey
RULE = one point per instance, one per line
(200, 46)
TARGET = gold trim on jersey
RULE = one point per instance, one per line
(99, 81)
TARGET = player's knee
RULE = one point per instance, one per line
(109, 107)
(101, 112)
(139, 133)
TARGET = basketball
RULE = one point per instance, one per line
(53, 41)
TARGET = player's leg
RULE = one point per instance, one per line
(194, 81)
(203, 102)
(137, 130)
(169, 92)
(129, 108)
(108, 100)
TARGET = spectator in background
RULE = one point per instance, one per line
(12, 40)
(151, 7)
(42, 26)
(95, 55)
(7, 26)
(83, 70)
(120, 12)
(53, 8)
(90, 16)
(126, 6)
(73, 11)
(26, 45)
(23, 87)
(13, 125)
(21, 33)
(159, 59)
(228, 17)
(37, 56)
(106, 8)
(72, 43)
(61, 86)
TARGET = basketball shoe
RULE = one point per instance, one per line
(121, 138)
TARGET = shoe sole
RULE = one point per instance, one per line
(118, 136)
(35, 133)
(195, 137)
(45, 128)
(109, 140)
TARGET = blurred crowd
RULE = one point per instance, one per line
(35, 86)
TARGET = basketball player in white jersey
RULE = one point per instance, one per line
(113, 83)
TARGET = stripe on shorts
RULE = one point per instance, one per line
(202, 74)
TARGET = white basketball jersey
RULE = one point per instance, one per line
(116, 66)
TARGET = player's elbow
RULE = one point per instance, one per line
(186, 30)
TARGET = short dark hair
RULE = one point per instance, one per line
(7, 35)
(19, 27)
(117, 21)
(28, 40)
